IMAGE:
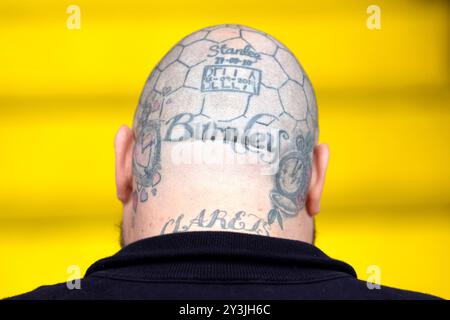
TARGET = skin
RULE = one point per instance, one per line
(224, 139)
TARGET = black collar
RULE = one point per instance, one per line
(220, 256)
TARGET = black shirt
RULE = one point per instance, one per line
(220, 265)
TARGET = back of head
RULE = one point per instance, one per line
(224, 135)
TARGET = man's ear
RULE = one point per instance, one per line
(319, 168)
(124, 143)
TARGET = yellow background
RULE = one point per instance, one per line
(384, 109)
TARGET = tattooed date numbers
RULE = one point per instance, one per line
(231, 78)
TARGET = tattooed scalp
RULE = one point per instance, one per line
(238, 85)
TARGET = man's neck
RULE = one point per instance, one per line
(213, 197)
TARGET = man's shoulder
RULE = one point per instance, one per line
(358, 289)
(343, 288)
(58, 291)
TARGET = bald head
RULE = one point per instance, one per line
(230, 74)
(238, 86)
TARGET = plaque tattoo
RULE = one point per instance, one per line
(235, 79)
